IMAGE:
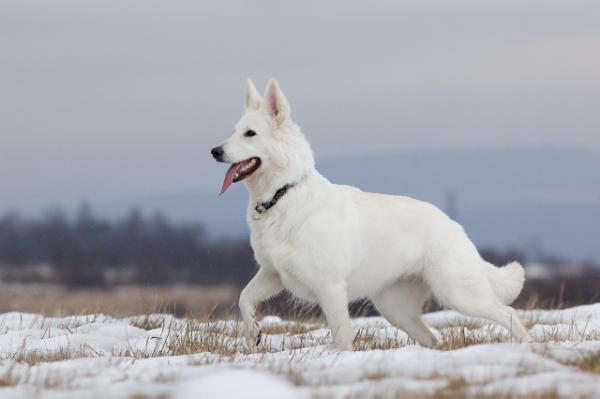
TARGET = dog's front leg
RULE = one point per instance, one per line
(333, 299)
(264, 284)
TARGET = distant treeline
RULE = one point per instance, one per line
(86, 250)
(89, 251)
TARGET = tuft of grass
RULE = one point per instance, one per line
(149, 322)
(591, 363)
(375, 375)
(35, 357)
(462, 336)
(197, 337)
(368, 339)
(588, 363)
(9, 378)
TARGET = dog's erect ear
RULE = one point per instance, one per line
(276, 103)
(253, 98)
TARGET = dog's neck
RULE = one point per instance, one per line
(263, 189)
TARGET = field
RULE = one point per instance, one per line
(161, 356)
(125, 300)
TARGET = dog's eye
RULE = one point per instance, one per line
(250, 133)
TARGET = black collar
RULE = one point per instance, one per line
(264, 206)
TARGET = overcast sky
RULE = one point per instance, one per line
(105, 100)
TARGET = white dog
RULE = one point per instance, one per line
(331, 244)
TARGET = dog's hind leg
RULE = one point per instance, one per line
(401, 304)
(467, 289)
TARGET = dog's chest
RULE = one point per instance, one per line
(275, 244)
(273, 249)
(271, 240)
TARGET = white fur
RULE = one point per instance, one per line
(332, 244)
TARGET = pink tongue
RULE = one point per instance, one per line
(229, 176)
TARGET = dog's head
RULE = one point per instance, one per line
(265, 141)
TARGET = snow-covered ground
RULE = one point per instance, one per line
(158, 356)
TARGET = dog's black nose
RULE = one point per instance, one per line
(217, 153)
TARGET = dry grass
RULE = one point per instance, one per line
(35, 357)
(194, 335)
(455, 388)
(222, 338)
(54, 300)
(457, 391)
(9, 378)
(368, 339)
(461, 336)
(198, 337)
(291, 328)
(590, 364)
(150, 321)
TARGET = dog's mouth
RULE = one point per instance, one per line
(239, 171)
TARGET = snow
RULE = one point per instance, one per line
(94, 356)
(228, 383)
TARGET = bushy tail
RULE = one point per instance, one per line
(507, 281)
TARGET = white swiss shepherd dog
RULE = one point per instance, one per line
(332, 244)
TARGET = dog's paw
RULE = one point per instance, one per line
(343, 342)
(252, 337)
